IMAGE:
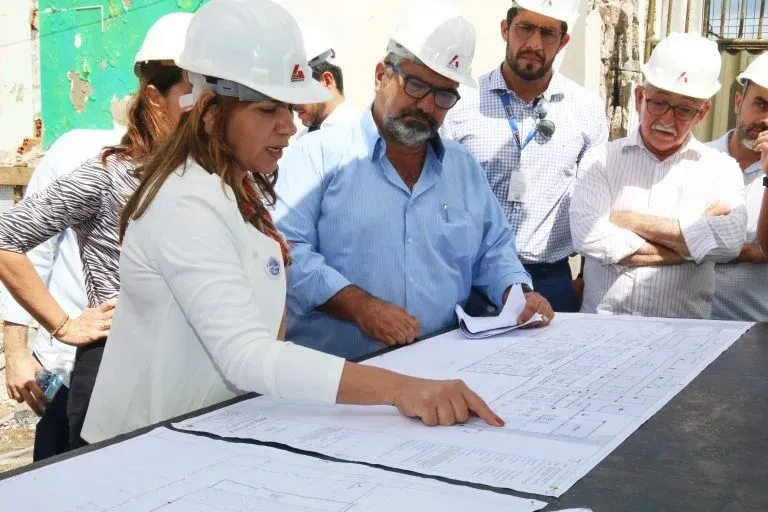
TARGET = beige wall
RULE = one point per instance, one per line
(360, 30)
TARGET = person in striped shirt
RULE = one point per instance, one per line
(653, 212)
(88, 200)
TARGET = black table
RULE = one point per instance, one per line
(706, 450)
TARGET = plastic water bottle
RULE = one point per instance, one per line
(48, 382)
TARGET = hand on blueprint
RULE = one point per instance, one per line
(386, 322)
(535, 303)
(442, 402)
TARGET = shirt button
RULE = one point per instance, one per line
(411, 280)
(410, 240)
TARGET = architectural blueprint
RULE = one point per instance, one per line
(165, 471)
(570, 394)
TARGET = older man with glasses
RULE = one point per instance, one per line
(529, 127)
(390, 226)
(653, 212)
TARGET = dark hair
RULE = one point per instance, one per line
(147, 125)
(512, 12)
(323, 67)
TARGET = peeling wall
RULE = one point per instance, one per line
(87, 49)
(19, 86)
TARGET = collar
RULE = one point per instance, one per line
(377, 147)
(554, 91)
(634, 139)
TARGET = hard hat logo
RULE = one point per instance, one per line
(546, 3)
(297, 75)
(671, 65)
(454, 62)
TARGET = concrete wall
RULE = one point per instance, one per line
(19, 84)
(360, 30)
(87, 49)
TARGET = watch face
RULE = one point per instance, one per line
(765, 181)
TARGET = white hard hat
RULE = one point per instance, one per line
(686, 64)
(317, 45)
(438, 35)
(562, 10)
(757, 71)
(164, 40)
(252, 44)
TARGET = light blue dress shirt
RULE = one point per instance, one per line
(352, 220)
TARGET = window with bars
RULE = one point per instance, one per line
(736, 19)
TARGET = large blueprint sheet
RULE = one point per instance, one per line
(570, 394)
(165, 471)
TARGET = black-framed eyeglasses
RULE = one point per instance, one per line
(681, 112)
(548, 35)
(419, 89)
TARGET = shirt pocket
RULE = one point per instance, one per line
(455, 233)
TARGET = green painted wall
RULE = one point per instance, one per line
(86, 57)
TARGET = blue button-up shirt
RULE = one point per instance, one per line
(479, 122)
(352, 220)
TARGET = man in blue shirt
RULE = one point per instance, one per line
(392, 226)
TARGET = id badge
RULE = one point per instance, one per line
(518, 187)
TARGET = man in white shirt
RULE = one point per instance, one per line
(326, 70)
(654, 211)
(57, 261)
(741, 284)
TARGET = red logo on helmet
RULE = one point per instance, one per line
(683, 78)
(297, 75)
(454, 63)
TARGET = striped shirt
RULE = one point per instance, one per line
(624, 176)
(547, 166)
(740, 288)
(88, 200)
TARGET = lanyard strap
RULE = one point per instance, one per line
(504, 95)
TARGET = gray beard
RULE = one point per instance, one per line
(412, 135)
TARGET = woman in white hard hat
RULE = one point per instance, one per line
(89, 200)
(202, 264)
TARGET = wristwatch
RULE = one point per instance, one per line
(765, 181)
(528, 289)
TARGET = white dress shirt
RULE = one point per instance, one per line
(343, 113)
(624, 176)
(741, 289)
(200, 306)
(57, 261)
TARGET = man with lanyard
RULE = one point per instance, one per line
(529, 127)
(391, 226)
(326, 70)
(740, 285)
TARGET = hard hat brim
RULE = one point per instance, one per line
(309, 92)
(698, 92)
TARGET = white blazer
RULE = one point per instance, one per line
(201, 300)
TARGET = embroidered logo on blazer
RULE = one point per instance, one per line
(272, 267)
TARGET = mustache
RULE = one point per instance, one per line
(759, 127)
(531, 53)
(664, 129)
(420, 115)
